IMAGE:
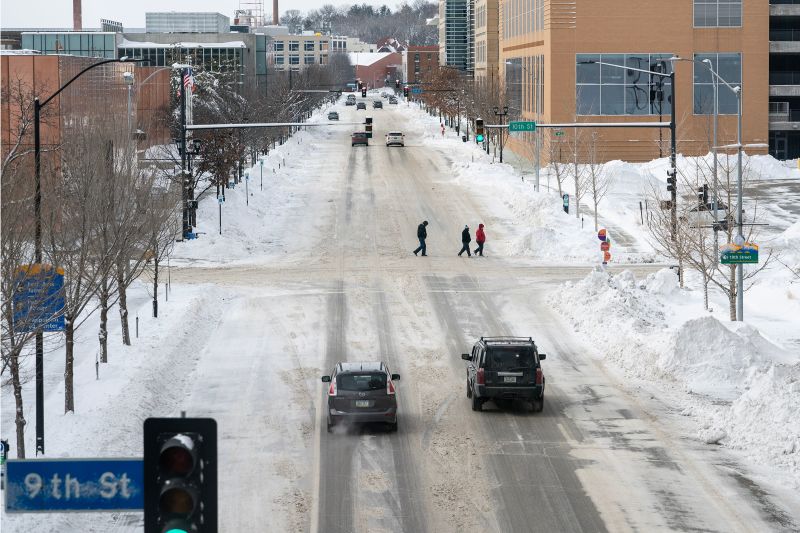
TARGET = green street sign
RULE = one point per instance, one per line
(559, 133)
(739, 255)
(522, 126)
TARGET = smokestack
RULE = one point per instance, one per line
(77, 18)
(275, 12)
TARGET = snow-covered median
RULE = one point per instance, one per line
(742, 390)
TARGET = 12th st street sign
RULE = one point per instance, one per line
(74, 485)
(521, 126)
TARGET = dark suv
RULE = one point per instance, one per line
(362, 392)
(505, 368)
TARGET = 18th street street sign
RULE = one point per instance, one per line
(521, 126)
(74, 485)
(733, 254)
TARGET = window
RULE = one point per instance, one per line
(294, 46)
(277, 46)
(308, 46)
(279, 60)
(729, 68)
(361, 382)
(717, 13)
(603, 89)
(308, 60)
(294, 60)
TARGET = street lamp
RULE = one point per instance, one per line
(497, 113)
(673, 156)
(37, 211)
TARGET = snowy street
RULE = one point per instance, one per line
(318, 269)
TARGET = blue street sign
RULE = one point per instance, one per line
(416, 90)
(74, 485)
(39, 299)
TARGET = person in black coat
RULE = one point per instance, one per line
(465, 240)
(422, 234)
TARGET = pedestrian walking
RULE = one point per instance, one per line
(422, 234)
(480, 238)
(465, 240)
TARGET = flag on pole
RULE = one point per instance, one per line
(188, 79)
(188, 84)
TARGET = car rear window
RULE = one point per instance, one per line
(362, 381)
(395, 133)
(508, 357)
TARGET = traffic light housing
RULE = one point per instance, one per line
(702, 196)
(479, 130)
(180, 475)
(368, 127)
(406, 91)
(364, 92)
(671, 180)
(396, 84)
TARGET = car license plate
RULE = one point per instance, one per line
(362, 403)
(510, 379)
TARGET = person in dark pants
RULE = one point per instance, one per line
(422, 234)
(480, 238)
(465, 240)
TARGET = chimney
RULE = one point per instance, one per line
(275, 12)
(77, 24)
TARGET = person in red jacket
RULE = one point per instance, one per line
(480, 238)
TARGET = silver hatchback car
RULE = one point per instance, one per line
(361, 392)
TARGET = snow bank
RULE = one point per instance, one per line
(742, 391)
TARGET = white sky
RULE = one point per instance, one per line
(58, 13)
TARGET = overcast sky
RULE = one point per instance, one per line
(58, 13)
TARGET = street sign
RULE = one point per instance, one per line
(54, 485)
(559, 133)
(521, 126)
(39, 299)
(733, 254)
(601, 234)
(417, 90)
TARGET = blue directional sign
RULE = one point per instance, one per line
(39, 298)
(74, 485)
(417, 90)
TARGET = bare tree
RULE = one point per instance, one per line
(577, 171)
(598, 179)
(556, 150)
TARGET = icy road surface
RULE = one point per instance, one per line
(336, 280)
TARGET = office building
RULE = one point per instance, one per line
(456, 43)
(297, 52)
(486, 41)
(187, 22)
(419, 62)
(784, 79)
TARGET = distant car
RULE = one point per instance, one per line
(350, 102)
(392, 100)
(359, 137)
(361, 392)
(377, 104)
(505, 368)
(333, 115)
(384, 94)
(361, 105)
(395, 138)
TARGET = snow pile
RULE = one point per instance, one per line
(742, 391)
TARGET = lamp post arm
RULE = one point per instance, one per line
(79, 74)
(662, 74)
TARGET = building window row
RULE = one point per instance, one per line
(717, 13)
(214, 59)
(521, 17)
(609, 90)
(729, 68)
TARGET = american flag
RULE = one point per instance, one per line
(188, 79)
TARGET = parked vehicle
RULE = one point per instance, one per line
(505, 368)
(395, 138)
(361, 392)
(359, 137)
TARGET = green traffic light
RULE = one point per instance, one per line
(479, 138)
(173, 530)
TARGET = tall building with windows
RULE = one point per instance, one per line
(784, 78)
(298, 52)
(486, 41)
(456, 33)
(550, 52)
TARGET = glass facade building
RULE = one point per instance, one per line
(79, 43)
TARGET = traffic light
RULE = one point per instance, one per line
(406, 91)
(364, 92)
(180, 475)
(368, 127)
(479, 133)
(396, 84)
(671, 180)
(702, 196)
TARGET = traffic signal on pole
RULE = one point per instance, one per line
(364, 92)
(671, 180)
(396, 84)
(406, 91)
(368, 127)
(702, 196)
(479, 132)
(180, 475)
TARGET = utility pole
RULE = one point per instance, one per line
(184, 177)
(502, 114)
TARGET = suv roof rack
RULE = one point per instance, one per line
(506, 339)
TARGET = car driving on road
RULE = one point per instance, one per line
(333, 115)
(361, 105)
(505, 368)
(361, 392)
(377, 104)
(395, 138)
(392, 100)
(359, 137)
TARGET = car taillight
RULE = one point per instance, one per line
(332, 388)
(538, 376)
(389, 387)
(480, 377)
